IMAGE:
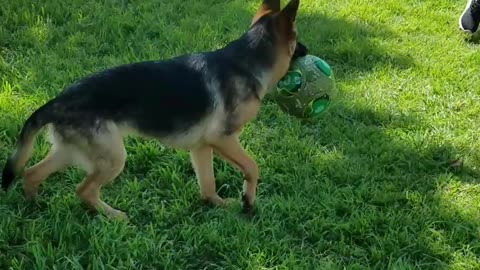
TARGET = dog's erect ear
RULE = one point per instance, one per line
(266, 7)
(273, 5)
(290, 10)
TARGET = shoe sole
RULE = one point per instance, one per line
(467, 7)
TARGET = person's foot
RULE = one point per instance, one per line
(470, 17)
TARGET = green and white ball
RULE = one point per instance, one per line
(307, 89)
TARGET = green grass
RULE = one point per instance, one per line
(367, 186)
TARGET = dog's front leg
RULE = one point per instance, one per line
(202, 161)
(230, 149)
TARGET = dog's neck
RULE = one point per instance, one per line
(254, 54)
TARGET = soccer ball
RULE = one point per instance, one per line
(307, 89)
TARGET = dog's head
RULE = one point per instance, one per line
(283, 32)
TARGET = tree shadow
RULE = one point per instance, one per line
(351, 47)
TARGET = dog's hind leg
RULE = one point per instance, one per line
(106, 156)
(89, 192)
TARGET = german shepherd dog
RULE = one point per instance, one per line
(198, 102)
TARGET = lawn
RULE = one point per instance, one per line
(386, 179)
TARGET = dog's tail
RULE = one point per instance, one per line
(24, 148)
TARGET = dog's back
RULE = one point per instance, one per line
(155, 98)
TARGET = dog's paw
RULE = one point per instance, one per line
(214, 200)
(115, 214)
(247, 205)
(30, 192)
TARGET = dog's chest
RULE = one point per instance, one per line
(245, 112)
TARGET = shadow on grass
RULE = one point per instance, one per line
(350, 47)
(473, 39)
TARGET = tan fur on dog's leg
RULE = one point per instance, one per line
(34, 176)
(89, 193)
(104, 172)
(231, 150)
(202, 161)
(106, 157)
